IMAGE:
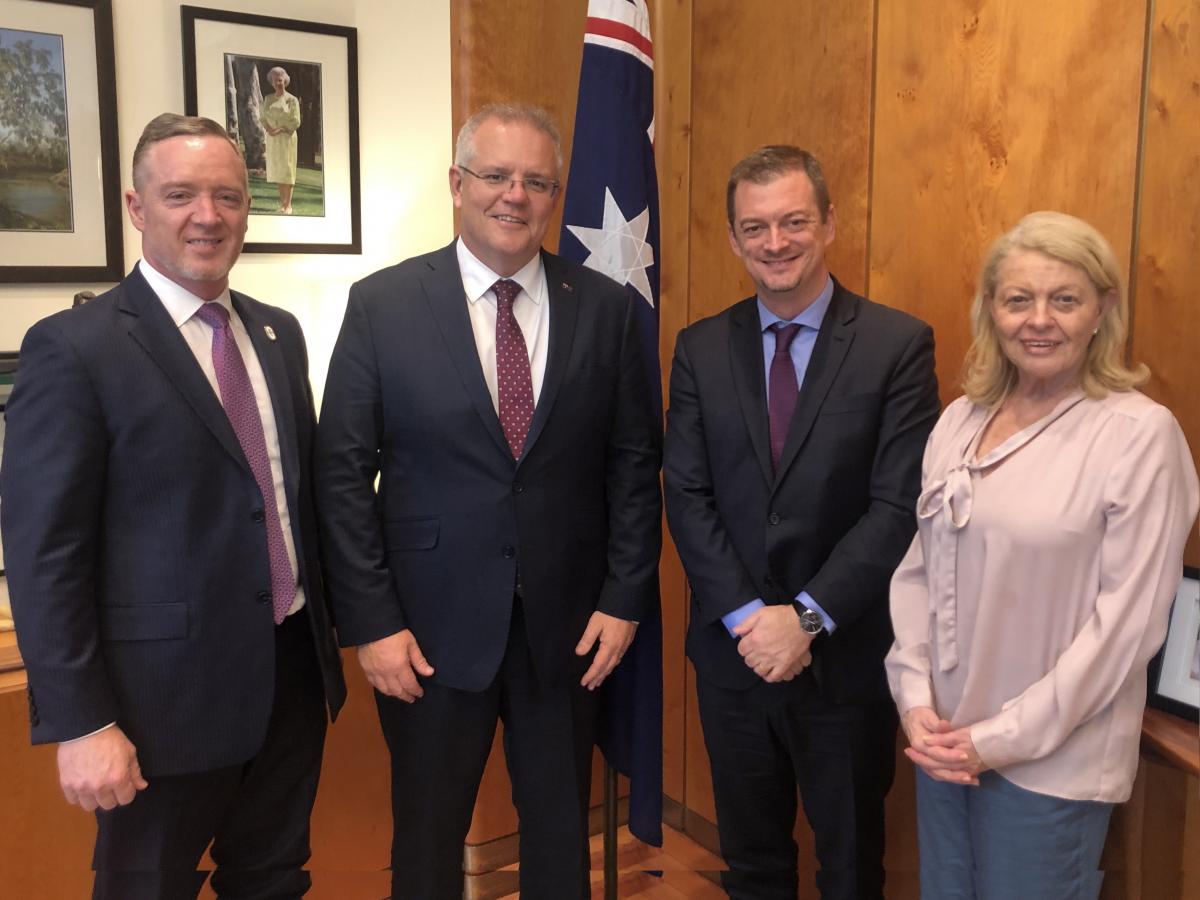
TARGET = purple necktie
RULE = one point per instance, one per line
(237, 396)
(514, 382)
(782, 389)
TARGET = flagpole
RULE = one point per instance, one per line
(610, 832)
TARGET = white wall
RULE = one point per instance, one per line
(404, 145)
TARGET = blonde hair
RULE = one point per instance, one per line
(988, 375)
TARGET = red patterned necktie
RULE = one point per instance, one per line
(514, 381)
(782, 388)
(237, 396)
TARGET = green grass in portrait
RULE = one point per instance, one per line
(308, 197)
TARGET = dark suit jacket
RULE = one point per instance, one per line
(133, 535)
(839, 514)
(437, 549)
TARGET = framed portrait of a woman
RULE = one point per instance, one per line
(287, 92)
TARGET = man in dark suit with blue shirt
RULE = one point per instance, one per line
(500, 569)
(792, 464)
(160, 541)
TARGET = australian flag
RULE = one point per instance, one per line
(610, 223)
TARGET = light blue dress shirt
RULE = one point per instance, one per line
(801, 352)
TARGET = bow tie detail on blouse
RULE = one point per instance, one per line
(949, 502)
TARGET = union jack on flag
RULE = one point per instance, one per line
(610, 223)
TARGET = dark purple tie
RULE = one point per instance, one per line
(782, 389)
(237, 396)
(514, 382)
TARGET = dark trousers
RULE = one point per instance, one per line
(439, 746)
(255, 815)
(764, 743)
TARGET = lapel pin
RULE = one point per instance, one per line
(270, 332)
(566, 287)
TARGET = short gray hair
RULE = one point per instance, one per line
(165, 126)
(508, 113)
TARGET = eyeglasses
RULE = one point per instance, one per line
(500, 182)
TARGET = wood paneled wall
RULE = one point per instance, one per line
(939, 126)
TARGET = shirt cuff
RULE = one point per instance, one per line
(805, 600)
(735, 618)
(97, 731)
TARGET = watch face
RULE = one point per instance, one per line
(811, 622)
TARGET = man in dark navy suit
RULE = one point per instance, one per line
(792, 465)
(161, 547)
(512, 546)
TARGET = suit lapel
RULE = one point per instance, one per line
(444, 292)
(833, 342)
(749, 380)
(270, 357)
(153, 329)
(564, 313)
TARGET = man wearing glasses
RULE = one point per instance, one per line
(500, 568)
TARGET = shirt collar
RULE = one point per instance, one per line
(181, 304)
(811, 317)
(478, 278)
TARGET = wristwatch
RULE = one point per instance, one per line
(810, 620)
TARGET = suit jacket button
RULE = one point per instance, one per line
(518, 488)
(767, 580)
(263, 597)
(508, 551)
(773, 518)
(258, 516)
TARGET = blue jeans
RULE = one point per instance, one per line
(1002, 842)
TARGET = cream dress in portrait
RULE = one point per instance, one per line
(281, 111)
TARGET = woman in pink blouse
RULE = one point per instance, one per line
(1055, 505)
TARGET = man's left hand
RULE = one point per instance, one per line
(615, 636)
(773, 644)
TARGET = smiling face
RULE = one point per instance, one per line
(278, 80)
(1045, 312)
(504, 226)
(779, 235)
(191, 204)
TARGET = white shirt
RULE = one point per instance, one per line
(531, 310)
(181, 306)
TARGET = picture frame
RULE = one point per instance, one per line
(60, 180)
(8, 374)
(300, 140)
(1174, 685)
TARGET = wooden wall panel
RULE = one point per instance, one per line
(522, 50)
(672, 33)
(1166, 333)
(985, 111)
(45, 845)
(778, 73)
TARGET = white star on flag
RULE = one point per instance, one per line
(618, 247)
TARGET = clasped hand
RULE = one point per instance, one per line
(944, 752)
(773, 644)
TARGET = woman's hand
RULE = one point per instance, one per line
(942, 751)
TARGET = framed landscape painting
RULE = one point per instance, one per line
(287, 92)
(60, 182)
